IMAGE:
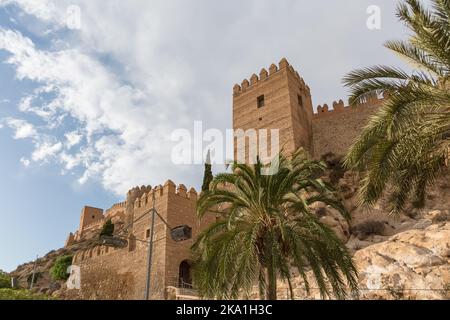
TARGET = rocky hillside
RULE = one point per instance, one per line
(43, 281)
(398, 257)
(414, 264)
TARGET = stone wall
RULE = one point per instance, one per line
(108, 273)
(287, 107)
(112, 274)
(335, 130)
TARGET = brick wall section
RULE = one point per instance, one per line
(182, 211)
(109, 273)
(280, 87)
(336, 130)
(90, 216)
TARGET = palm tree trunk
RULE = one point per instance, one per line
(291, 290)
(271, 291)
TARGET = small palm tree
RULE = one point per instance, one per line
(406, 144)
(266, 229)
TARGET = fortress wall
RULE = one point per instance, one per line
(89, 217)
(116, 212)
(280, 87)
(301, 110)
(109, 273)
(118, 274)
(182, 211)
(336, 130)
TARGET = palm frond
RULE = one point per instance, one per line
(403, 147)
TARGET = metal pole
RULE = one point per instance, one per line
(34, 272)
(150, 252)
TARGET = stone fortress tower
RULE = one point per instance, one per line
(276, 99)
(280, 99)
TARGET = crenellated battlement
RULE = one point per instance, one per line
(138, 191)
(93, 225)
(340, 107)
(115, 207)
(159, 191)
(92, 252)
(265, 75)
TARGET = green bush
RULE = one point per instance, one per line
(59, 269)
(108, 228)
(12, 294)
(5, 280)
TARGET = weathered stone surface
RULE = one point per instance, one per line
(411, 265)
(337, 223)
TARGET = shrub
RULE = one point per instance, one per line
(367, 228)
(12, 294)
(5, 280)
(59, 269)
(108, 228)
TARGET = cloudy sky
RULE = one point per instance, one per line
(87, 109)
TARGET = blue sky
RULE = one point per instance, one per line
(86, 113)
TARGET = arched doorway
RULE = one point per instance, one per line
(185, 278)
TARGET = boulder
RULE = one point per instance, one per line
(414, 264)
(410, 265)
(333, 219)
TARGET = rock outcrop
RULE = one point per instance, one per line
(398, 257)
(414, 264)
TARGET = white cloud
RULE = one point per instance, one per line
(42, 9)
(120, 122)
(22, 129)
(137, 70)
(46, 150)
(26, 163)
(73, 138)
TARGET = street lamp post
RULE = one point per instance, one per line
(150, 252)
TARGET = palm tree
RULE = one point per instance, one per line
(405, 145)
(265, 228)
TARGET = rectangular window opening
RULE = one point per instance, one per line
(300, 100)
(261, 101)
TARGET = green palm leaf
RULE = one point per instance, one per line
(405, 145)
(266, 230)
